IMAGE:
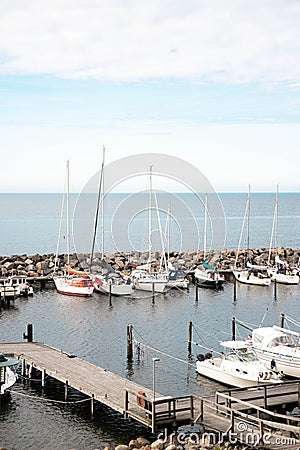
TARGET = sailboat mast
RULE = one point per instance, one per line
(248, 222)
(150, 213)
(205, 229)
(102, 205)
(276, 219)
(68, 213)
(97, 212)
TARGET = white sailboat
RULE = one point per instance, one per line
(144, 278)
(73, 282)
(207, 275)
(107, 280)
(252, 274)
(237, 366)
(282, 273)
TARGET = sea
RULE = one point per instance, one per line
(94, 329)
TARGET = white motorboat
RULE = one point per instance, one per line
(278, 346)
(20, 284)
(208, 277)
(7, 291)
(251, 276)
(238, 366)
(8, 375)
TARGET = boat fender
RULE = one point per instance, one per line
(208, 355)
(200, 357)
(141, 401)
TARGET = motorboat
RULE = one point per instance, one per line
(177, 279)
(252, 276)
(8, 375)
(209, 277)
(278, 346)
(20, 285)
(7, 291)
(237, 366)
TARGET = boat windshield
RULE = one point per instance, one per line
(284, 339)
(244, 356)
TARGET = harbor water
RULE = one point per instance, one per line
(95, 330)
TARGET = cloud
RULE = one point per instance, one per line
(131, 40)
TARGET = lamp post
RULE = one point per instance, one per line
(154, 360)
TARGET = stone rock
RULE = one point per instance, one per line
(142, 441)
(122, 447)
(157, 445)
(134, 444)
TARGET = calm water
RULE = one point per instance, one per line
(30, 223)
(96, 331)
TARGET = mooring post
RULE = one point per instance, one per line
(282, 317)
(30, 370)
(66, 391)
(233, 328)
(275, 289)
(190, 334)
(234, 289)
(92, 406)
(196, 291)
(109, 294)
(153, 294)
(126, 404)
(43, 377)
(29, 335)
(129, 342)
(23, 370)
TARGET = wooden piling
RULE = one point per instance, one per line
(66, 391)
(190, 334)
(275, 289)
(129, 342)
(282, 317)
(43, 377)
(29, 335)
(196, 291)
(233, 328)
(153, 294)
(234, 289)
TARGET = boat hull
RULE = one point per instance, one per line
(151, 286)
(283, 278)
(211, 370)
(64, 286)
(246, 278)
(288, 364)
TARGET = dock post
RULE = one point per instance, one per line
(275, 289)
(190, 334)
(153, 294)
(43, 377)
(66, 391)
(30, 370)
(29, 335)
(298, 383)
(126, 404)
(129, 342)
(153, 417)
(23, 370)
(92, 406)
(109, 294)
(196, 292)
(234, 289)
(282, 317)
(265, 397)
(233, 328)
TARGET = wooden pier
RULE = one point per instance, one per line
(248, 414)
(120, 394)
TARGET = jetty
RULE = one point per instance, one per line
(140, 403)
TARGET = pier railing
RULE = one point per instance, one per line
(159, 411)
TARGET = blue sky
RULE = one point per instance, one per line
(215, 83)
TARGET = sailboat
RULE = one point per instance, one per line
(107, 281)
(207, 276)
(282, 273)
(252, 274)
(144, 278)
(74, 282)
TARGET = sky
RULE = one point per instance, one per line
(214, 82)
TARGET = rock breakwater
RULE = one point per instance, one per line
(42, 265)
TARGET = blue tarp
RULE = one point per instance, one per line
(207, 266)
